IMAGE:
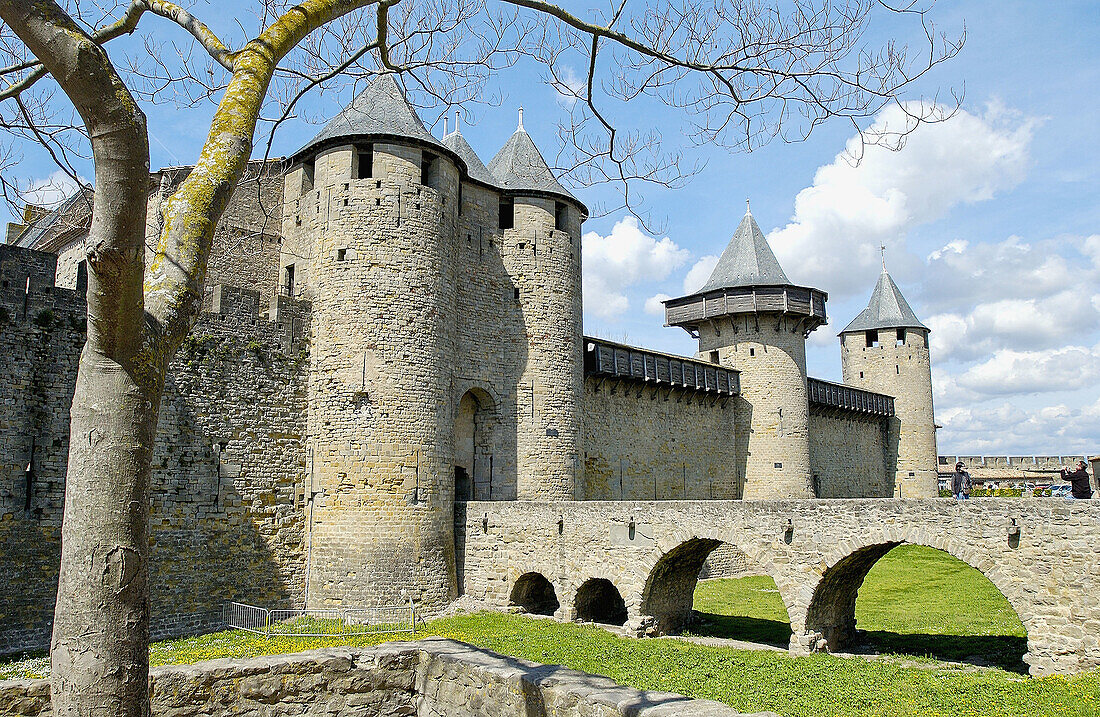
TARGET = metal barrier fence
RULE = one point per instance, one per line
(321, 622)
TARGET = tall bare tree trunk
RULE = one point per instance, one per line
(100, 648)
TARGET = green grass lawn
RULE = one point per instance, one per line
(815, 686)
(915, 601)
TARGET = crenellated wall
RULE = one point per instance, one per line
(228, 467)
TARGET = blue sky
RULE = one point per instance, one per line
(992, 219)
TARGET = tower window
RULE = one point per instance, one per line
(897, 369)
(861, 374)
(341, 254)
(507, 213)
(289, 283)
(515, 294)
(714, 357)
(752, 352)
(364, 161)
(901, 337)
(307, 175)
(427, 168)
(872, 338)
(82, 275)
(561, 216)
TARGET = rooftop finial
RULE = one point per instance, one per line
(520, 128)
(747, 209)
(457, 113)
(882, 248)
(444, 126)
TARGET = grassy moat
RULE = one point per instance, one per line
(919, 605)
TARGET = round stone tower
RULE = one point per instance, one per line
(885, 349)
(541, 249)
(748, 316)
(370, 210)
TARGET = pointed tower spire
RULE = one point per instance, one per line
(887, 309)
(519, 166)
(380, 110)
(747, 260)
(882, 247)
(748, 209)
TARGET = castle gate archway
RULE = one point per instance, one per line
(474, 436)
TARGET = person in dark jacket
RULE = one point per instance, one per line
(961, 483)
(1079, 479)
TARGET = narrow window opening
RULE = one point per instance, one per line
(897, 369)
(872, 338)
(341, 254)
(861, 374)
(378, 201)
(460, 198)
(289, 283)
(82, 275)
(901, 337)
(364, 162)
(507, 213)
(345, 201)
(307, 175)
(427, 168)
(752, 352)
(714, 357)
(515, 294)
(561, 216)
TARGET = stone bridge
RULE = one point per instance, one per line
(637, 563)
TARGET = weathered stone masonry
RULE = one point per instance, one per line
(430, 678)
(1039, 554)
(228, 467)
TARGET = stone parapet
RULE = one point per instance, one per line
(429, 678)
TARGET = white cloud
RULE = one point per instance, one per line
(624, 258)
(569, 86)
(699, 273)
(52, 190)
(1006, 428)
(839, 222)
(654, 305)
(1013, 294)
(1014, 372)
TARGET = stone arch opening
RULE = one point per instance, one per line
(736, 598)
(831, 616)
(670, 588)
(535, 594)
(474, 436)
(598, 600)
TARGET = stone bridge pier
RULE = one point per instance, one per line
(637, 563)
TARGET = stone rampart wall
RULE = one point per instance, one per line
(430, 678)
(228, 467)
(848, 455)
(645, 442)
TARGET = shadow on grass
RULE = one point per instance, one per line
(1004, 651)
(736, 627)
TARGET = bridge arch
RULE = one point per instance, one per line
(671, 578)
(535, 594)
(829, 617)
(598, 600)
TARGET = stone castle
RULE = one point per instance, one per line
(394, 328)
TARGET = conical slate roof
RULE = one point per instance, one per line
(520, 167)
(887, 309)
(474, 166)
(379, 110)
(747, 261)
